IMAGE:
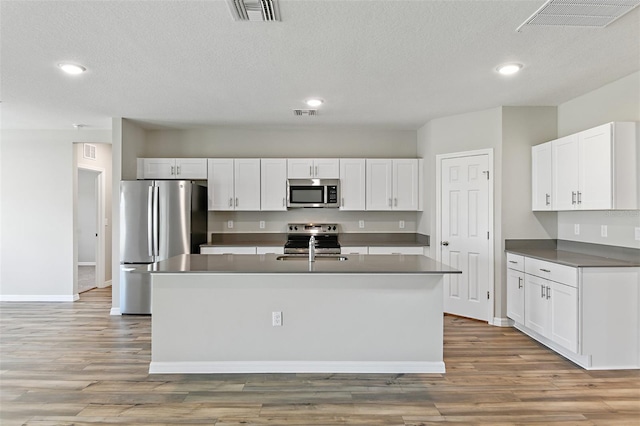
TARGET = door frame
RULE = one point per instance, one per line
(438, 240)
(100, 225)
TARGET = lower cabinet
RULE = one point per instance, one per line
(397, 250)
(515, 295)
(228, 250)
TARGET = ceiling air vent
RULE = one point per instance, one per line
(309, 112)
(580, 13)
(254, 10)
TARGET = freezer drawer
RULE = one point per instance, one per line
(135, 291)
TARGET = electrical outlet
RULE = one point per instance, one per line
(361, 223)
(637, 234)
(603, 230)
(262, 224)
(576, 228)
(230, 224)
(401, 224)
(276, 319)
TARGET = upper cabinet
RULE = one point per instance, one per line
(392, 184)
(172, 168)
(307, 168)
(596, 169)
(273, 184)
(352, 183)
(541, 177)
(234, 184)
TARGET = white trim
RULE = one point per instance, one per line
(106, 284)
(583, 361)
(115, 311)
(86, 263)
(492, 227)
(502, 322)
(156, 367)
(38, 298)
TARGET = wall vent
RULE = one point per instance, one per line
(301, 112)
(580, 13)
(254, 10)
(89, 151)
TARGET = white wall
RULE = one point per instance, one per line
(617, 101)
(36, 227)
(87, 216)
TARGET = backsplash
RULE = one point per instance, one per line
(277, 221)
(620, 227)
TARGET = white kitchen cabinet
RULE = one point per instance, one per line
(228, 250)
(354, 250)
(270, 249)
(352, 184)
(307, 168)
(396, 250)
(392, 184)
(596, 169)
(515, 288)
(172, 168)
(234, 184)
(541, 178)
(273, 184)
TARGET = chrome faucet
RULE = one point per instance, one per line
(312, 249)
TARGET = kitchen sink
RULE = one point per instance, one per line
(319, 258)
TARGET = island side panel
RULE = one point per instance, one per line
(331, 323)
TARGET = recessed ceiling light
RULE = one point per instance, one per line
(315, 102)
(72, 68)
(508, 69)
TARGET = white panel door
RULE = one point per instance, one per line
(220, 183)
(326, 168)
(563, 326)
(273, 184)
(515, 295)
(158, 168)
(536, 309)
(299, 168)
(379, 184)
(405, 184)
(541, 181)
(565, 173)
(247, 184)
(465, 235)
(595, 165)
(352, 184)
(191, 168)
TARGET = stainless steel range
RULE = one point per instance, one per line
(326, 236)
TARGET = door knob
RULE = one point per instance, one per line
(444, 243)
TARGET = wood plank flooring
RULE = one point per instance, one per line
(74, 364)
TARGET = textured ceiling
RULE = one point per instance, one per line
(392, 64)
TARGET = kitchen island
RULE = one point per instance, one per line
(368, 313)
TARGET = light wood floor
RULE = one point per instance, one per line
(74, 364)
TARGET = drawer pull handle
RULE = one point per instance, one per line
(512, 261)
(545, 270)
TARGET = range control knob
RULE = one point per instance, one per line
(295, 227)
(290, 228)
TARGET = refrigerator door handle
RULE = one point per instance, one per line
(150, 228)
(156, 227)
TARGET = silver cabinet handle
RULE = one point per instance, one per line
(310, 170)
(177, 170)
(542, 291)
(512, 261)
(389, 202)
(342, 202)
(395, 202)
(282, 201)
(547, 199)
(573, 197)
(236, 201)
(230, 202)
(172, 171)
(579, 197)
(444, 243)
(316, 170)
(545, 270)
(548, 292)
(519, 282)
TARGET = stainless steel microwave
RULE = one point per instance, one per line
(313, 193)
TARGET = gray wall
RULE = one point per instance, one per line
(87, 214)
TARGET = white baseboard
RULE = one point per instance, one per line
(115, 311)
(38, 298)
(295, 367)
(106, 284)
(86, 263)
(502, 322)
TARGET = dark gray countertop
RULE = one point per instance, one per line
(389, 239)
(268, 264)
(556, 252)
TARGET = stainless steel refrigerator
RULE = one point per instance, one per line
(158, 219)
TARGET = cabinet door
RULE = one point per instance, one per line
(418, 250)
(563, 327)
(158, 168)
(326, 168)
(270, 249)
(536, 309)
(595, 170)
(191, 168)
(247, 184)
(379, 194)
(300, 168)
(220, 183)
(352, 184)
(405, 184)
(273, 184)
(515, 295)
(541, 172)
(565, 172)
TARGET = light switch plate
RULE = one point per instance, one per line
(576, 228)
(401, 224)
(230, 224)
(637, 234)
(603, 230)
(361, 223)
(262, 224)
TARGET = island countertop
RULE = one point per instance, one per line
(269, 264)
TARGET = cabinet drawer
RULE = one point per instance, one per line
(515, 261)
(551, 271)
